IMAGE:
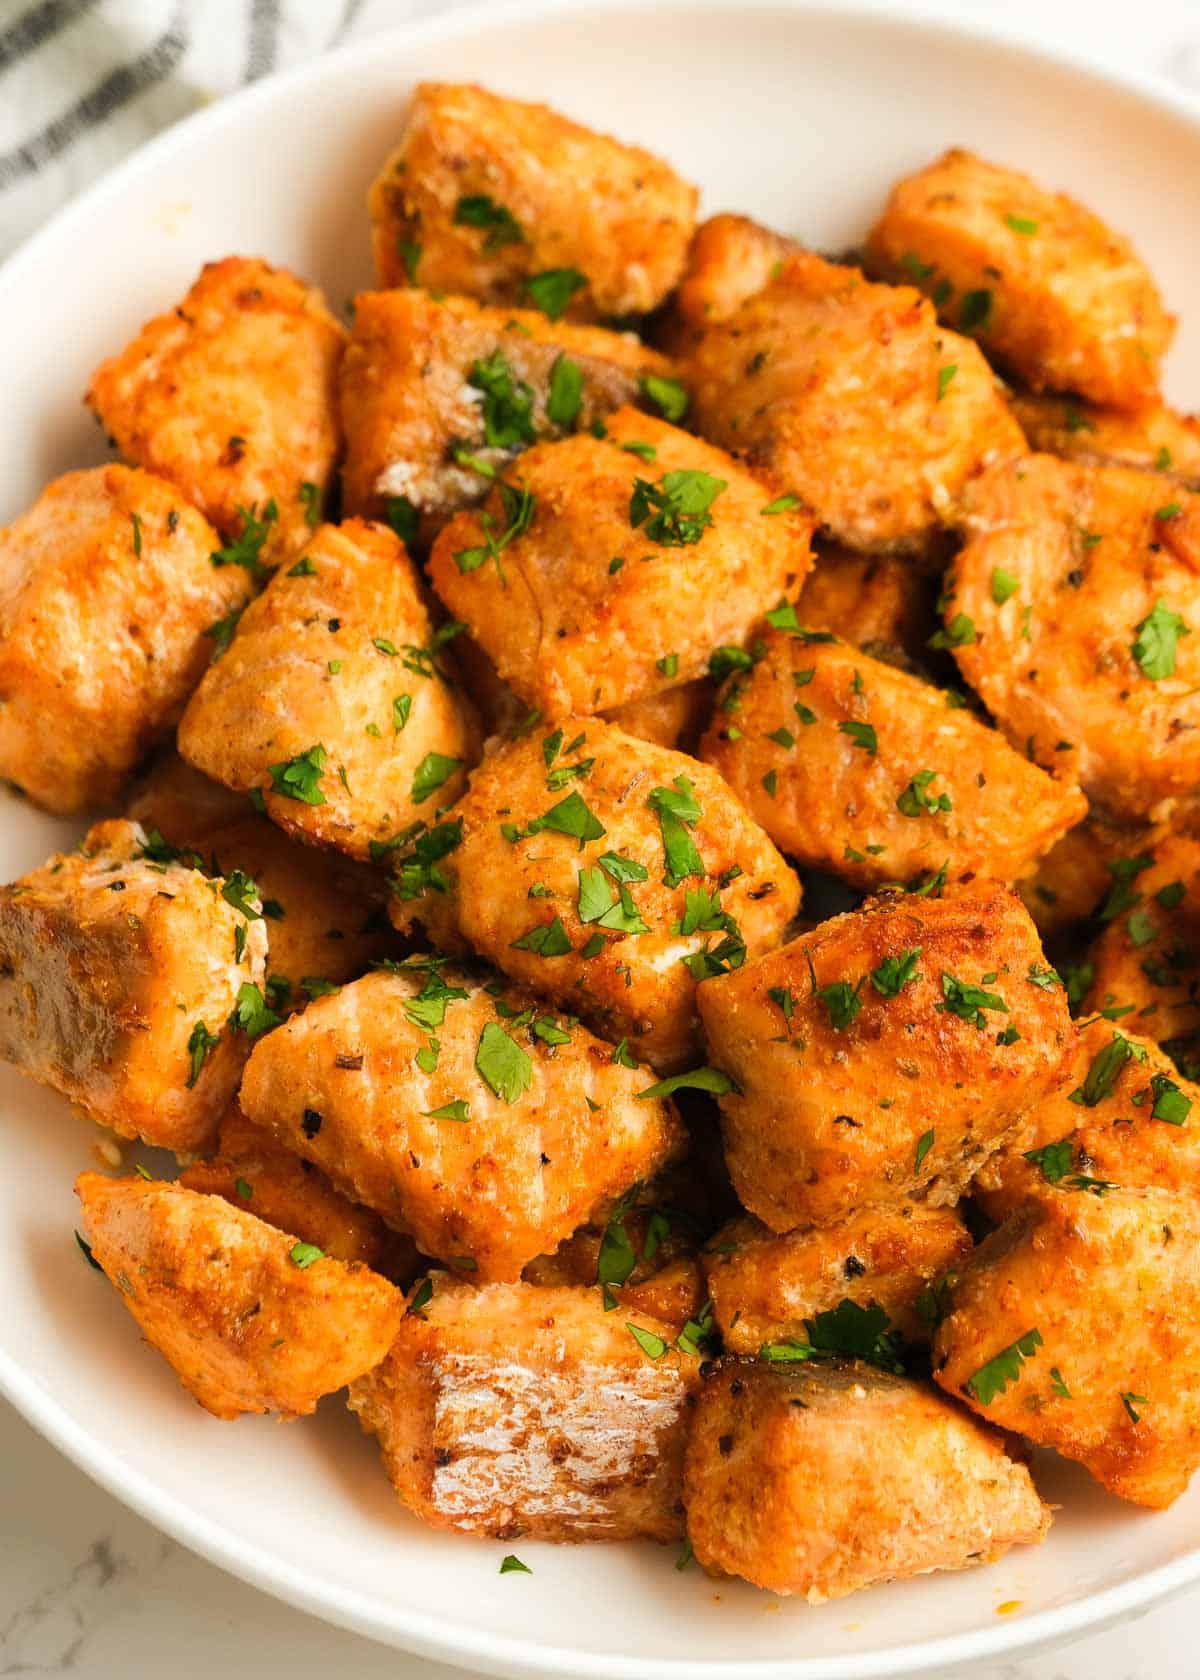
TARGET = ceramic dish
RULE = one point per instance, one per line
(799, 115)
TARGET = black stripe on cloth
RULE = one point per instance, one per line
(264, 39)
(37, 25)
(350, 11)
(117, 89)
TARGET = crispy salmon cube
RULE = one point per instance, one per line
(254, 1172)
(436, 393)
(1146, 962)
(511, 202)
(108, 589)
(1042, 283)
(853, 766)
(612, 568)
(1072, 879)
(879, 602)
(1075, 1324)
(1071, 612)
(249, 1319)
(118, 977)
(766, 1287)
(731, 258)
(1153, 439)
(232, 397)
(485, 1128)
(325, 914)
(884, 1056)
(854, 399)
(328, 702)
(674, 717)
(629, 874)
(511, 1410)
(1125, 1116)
(820, 1480)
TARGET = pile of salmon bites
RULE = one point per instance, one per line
(526, 650)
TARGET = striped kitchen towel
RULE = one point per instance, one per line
(83, 82)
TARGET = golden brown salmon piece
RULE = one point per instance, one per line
(1073, 610)
(1153, 439)
(118, 978)
(855, 767)
(106, 591)
(820, 1480)
(254, 1172)
(325, 915)
(766, 1288)
(232, 397)
(487, 1129)
(511, 202)
(885, 1055)
(621, 564)
(1126, 1116)
(854, 399)
(1074, 877)
(731, 259)
(627, 875)
(438, 393)
(250, 1319)
(1146, 962)
(1041, 282)
(511, 1410)
(1075, 1324)
(880, 602)
(329, 704)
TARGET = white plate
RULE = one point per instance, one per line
(801, 115)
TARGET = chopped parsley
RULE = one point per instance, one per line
(862, 734)
(1003, 1368)
(1021, 224)
(545, 939)
(518, 506)
(200, 1042)
(945, 378)
(924, 1145)
(552, 290)
(304, 1254)
(968, 1002)
(565, 396)
(667, 395)
(677, 812)
(1004, 585)
(507, 407)
(1170, 1104)
(300, 777)
(894, 973)
(1158, 635)
(246, 548)
(675, 511)
(916, 802)
(975, 310)
(1102, 1075)
(458, 1111)
(512, 1565)
(502, 1063)
(781, 504)
(433, 772)
(651, 1345)
(477, 210)
(251, 1013)
(708, 1079)
(960, 632)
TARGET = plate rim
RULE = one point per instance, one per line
(404, 1627)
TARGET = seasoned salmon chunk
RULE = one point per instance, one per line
(483, 1127)
(854, 399)
(767, 1288)
(1152, 439)
(628, 875)
(1145, 964)
(880, 602)
(512, 1410)
(1071, 612)
(1125, 1116)
(853, 766)
(612, 568)
(511, 202)
(328, 704)
(1042, 283)
(254, 1172)
(1074, 877)
(106, 591)
(250, 1319)
(232, 397)
(124, 981)
(1075, 1325)
(325, 914)
(730, 259)
(820, 1480)
(436, 394)
(885, 1055)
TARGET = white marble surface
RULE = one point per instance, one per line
(90, 1591)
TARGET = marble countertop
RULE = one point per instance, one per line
(89, 1590)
